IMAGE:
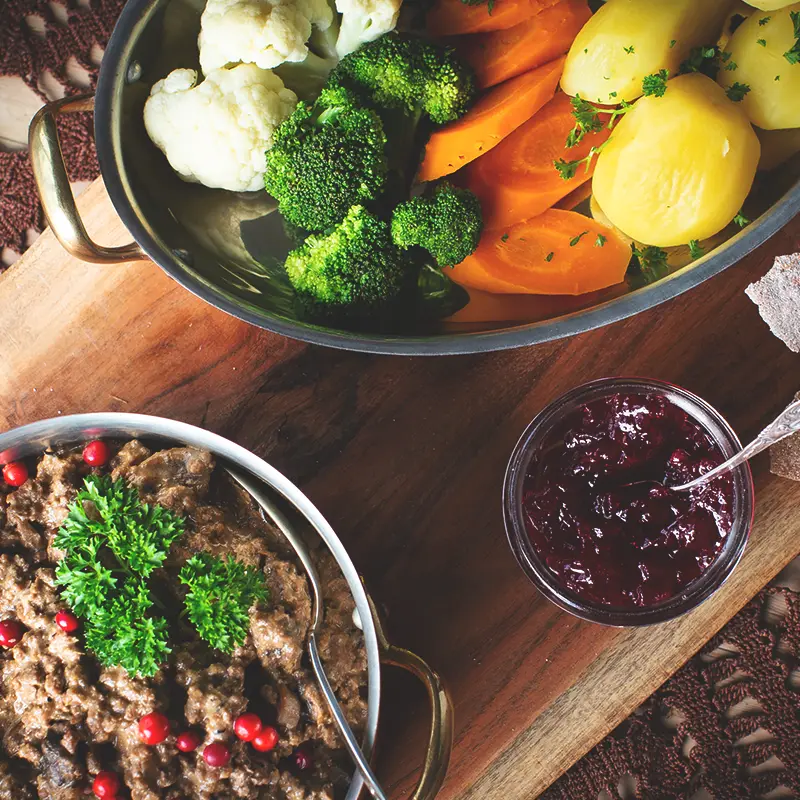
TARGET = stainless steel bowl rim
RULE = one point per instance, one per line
(35, 437)
(114, 69)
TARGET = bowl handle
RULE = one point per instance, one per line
(52, 181)
(440, 741)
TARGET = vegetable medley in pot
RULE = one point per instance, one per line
(464, 137)
(152, 637)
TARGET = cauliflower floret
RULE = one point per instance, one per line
(261, 32)
(364, 21)
(217, 133)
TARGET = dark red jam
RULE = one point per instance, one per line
(597, 510)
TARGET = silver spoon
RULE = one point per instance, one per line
(269, 510)
(784, 425)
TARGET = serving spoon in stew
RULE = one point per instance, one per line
(783, 426)
(271, 513)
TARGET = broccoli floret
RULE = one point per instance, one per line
(354, 270)
(325, 158)
(401, 71)
(447, 223)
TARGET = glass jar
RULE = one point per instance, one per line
(530, 447)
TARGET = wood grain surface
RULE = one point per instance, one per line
(406, 457)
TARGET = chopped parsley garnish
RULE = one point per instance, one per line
(221, 592)
(655, 85)
(793, 55)
(737, 91)
(587, 117)
(741, 220)
(777, 77)
(695, 250)
(703, 59)
(568, 169)
(725, 58)
(629, 50)
(673, 43)
(762, 42)
(587, 120)
(764, 20)
(600, 240)
(652, 262)
(577, 239)
(549, 257)
(113, 542)
(504, 237)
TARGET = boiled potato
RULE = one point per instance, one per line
(677, 167)
(676, 256)
(773, 101)
(777, 147)
(600, 216)
(658, 34)
(768, 5)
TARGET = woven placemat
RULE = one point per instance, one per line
(38, 37)
(725, 726)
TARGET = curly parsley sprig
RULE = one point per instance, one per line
(706, 59)
(655, 85)
(696, 250)
(568, 169)
(113, 542)
(651, 262)
(588, 119)
(221, 592)
(793, 54)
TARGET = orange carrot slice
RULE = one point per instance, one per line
(450, 17)
(518, 179)
(500, 55)
(558, 252)
(495, 115)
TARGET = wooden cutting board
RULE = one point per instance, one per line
(405, 456)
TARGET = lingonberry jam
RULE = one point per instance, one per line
(597, 509)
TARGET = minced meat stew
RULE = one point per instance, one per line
(65, 719)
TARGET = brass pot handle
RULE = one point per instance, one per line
(52, 181)
(440, 741)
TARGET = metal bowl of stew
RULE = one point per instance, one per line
(31, 440)
(228, 249)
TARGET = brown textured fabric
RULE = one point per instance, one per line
(28, 55)
(726, 723)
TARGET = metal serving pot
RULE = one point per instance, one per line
(30, 440)
(228, 248)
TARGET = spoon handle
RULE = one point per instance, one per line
(785, 424)
(270, 511)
